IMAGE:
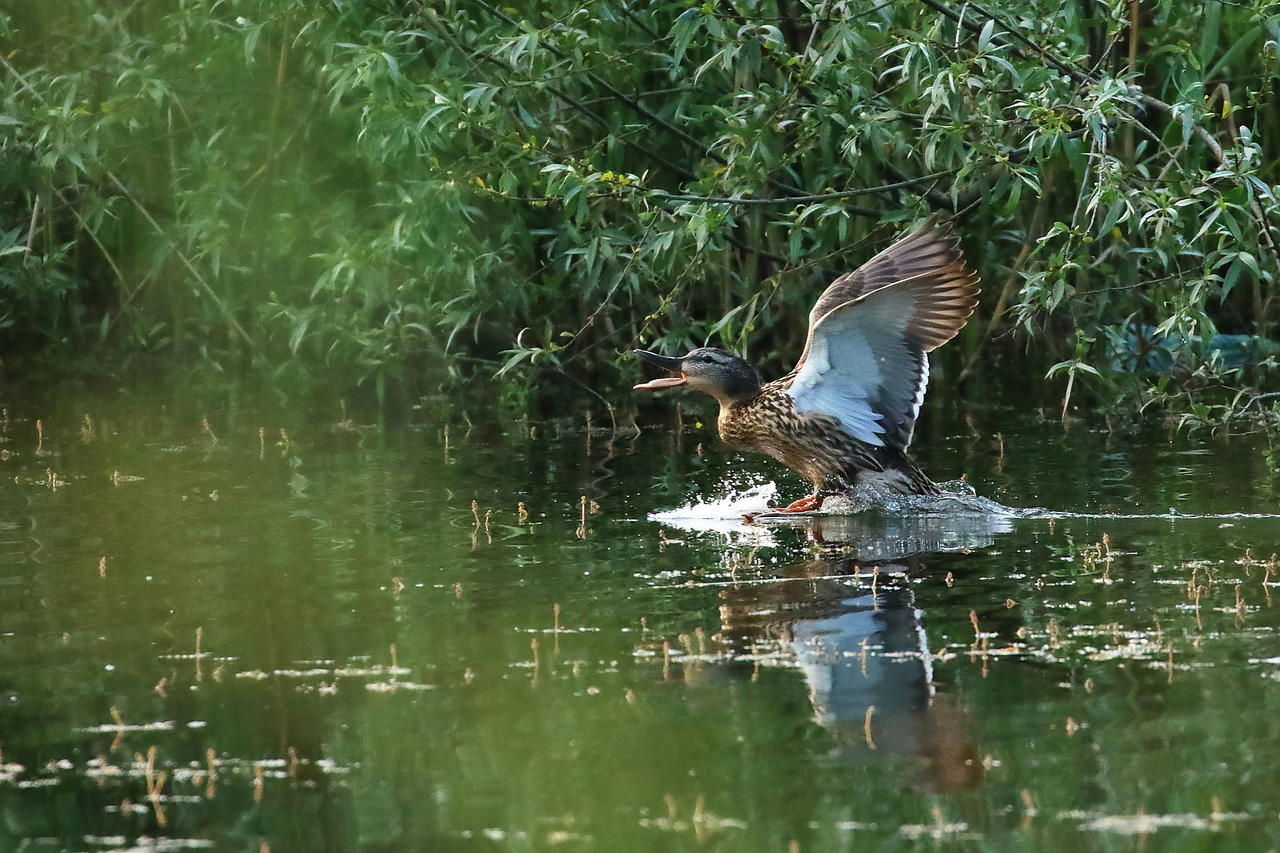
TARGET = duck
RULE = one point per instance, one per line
(844, 416)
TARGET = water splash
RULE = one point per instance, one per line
(957, 498)
(725, 514)
(722, 515)
(959, 501)
(878, 523)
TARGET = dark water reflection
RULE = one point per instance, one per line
(311, 638)
(848, 621)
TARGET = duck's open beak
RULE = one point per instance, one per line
(665, 362)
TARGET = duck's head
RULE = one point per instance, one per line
(713, 371)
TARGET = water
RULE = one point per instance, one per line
(311, 641)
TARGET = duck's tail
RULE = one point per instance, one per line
(898, 474)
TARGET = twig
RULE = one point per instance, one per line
(26, 87)
(608, 297)
(31, 231)
(94, 237)
(1006, 292)
(1257, 398)
(649, 31)
(195, 273)
(801, 199)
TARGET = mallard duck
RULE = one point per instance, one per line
(845, 414)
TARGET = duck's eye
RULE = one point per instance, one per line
(706, 359)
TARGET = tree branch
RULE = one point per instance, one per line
(803, 199)
(191, 268)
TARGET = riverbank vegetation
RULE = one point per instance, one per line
(372, 193)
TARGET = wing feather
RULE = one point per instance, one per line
(929, 249)
(866, 362)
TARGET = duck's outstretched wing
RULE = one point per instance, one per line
(929, 249)
(865, 361)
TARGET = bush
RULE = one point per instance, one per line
(343, 187)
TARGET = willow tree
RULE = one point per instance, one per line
(534, 187)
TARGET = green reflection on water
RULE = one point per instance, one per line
(312, 641)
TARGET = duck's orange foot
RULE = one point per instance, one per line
(812, 503)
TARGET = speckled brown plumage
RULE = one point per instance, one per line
(814, 446)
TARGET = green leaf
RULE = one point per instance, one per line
(984, 38)
(1113, 216)
(1209, 24)
(299, 332)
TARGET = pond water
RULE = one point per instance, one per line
(238, 628)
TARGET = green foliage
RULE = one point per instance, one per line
(364, 190)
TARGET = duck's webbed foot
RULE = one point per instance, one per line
(811, 503)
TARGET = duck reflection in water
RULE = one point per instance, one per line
(849, 621)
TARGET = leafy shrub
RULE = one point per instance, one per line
(528, 190)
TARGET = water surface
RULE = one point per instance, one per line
(225, 627)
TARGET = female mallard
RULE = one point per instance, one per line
(845, 413)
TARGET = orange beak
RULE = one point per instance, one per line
(665, 362)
